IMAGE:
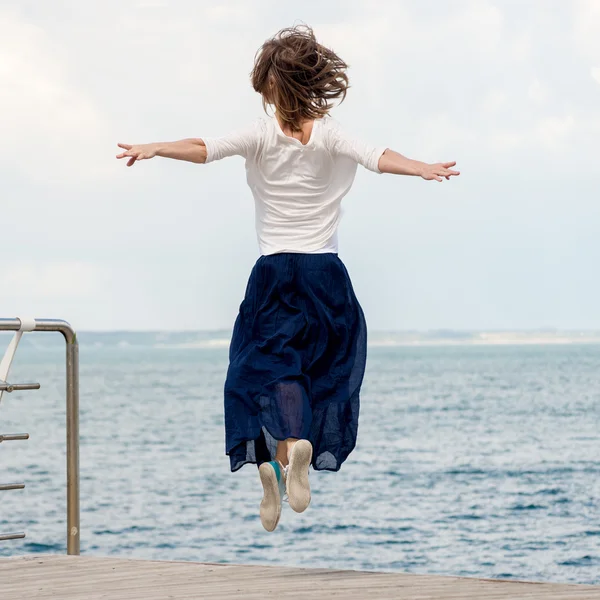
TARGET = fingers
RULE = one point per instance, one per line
(133, 155)
(130, 154)
(447, 173)
(128, 151)
(447, 170)
(440, 171)
(441, 174)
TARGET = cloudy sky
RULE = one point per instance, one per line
(509, 89)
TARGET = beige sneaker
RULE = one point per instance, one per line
(272, 479)
(296, 480)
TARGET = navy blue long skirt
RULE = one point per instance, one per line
(297, 361)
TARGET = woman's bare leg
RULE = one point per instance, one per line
(283, 451)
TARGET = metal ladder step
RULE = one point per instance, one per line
(5, 487)
(17, 387)
(11, 536)
(13, 437)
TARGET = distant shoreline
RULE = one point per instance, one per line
(504, 342)
(380, 339)
(376, 339)
(497, 338)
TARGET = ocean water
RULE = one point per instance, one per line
(476, 461)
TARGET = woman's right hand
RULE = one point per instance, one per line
(438, 170)
(137, 152)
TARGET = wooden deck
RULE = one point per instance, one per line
(89, 578)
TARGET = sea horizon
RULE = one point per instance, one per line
(198, 338)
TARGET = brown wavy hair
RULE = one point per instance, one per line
(299, 76)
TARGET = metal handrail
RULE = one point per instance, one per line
(72, 366)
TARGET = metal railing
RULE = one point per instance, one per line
(72, 364)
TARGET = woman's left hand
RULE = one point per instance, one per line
(438, 170)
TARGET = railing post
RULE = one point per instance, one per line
(72, 444)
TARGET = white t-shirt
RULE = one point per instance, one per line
(297, 188)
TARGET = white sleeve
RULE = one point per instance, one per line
(243, 142)
(346, 145)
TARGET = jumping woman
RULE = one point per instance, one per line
(298, 350)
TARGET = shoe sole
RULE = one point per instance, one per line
(298, 486)
(270, 506)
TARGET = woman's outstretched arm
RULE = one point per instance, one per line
(395, 163)
(192, 150)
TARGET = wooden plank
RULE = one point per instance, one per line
(92, 578)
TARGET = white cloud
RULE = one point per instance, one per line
(152, 3)
(495, 100)
(48, 123)
(521, 47)
(507, 140)
(71, 279)
(595, 73)
(468, 78)
(86, 294)
(586, 32)
(537, 92)
(553, 131)
(482, 22)
(440, 134)
(231, 10)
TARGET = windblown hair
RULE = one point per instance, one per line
(299, 76)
